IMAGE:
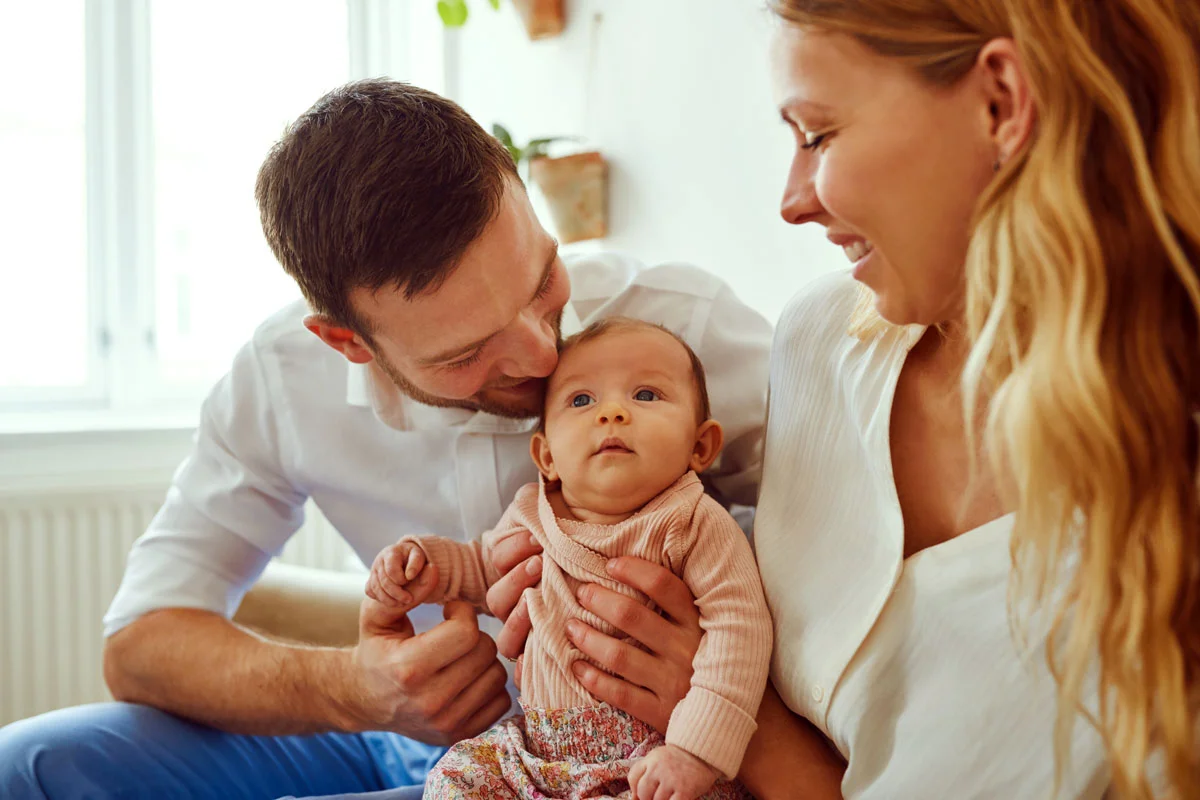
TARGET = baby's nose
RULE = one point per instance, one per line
(610, 412)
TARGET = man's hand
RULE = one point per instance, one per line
(439, 686)
(671, 773)
(517, 559)
(650, 684)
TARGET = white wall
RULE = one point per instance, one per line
(676, 93)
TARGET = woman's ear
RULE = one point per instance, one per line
(344, 340)
(710, 436)
(1012, 113)
(539, 449)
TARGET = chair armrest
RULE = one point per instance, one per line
(306, 605)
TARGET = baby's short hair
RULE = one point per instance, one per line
(610, 324)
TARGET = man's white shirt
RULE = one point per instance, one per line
(293, 420)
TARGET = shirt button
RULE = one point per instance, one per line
(818, 694)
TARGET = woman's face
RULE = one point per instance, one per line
(890, 165)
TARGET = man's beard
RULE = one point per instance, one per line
(487, 400)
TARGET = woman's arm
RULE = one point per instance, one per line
(789, 758)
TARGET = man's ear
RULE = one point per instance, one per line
(710, 436)
(1012, 114)
(539, 449)
(344, 340)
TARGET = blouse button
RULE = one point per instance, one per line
(818, 694)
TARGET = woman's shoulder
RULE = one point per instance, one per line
(819, 315)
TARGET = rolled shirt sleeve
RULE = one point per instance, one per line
(230, 508)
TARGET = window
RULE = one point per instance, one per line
(43, 205)
(215, 278)
(132, 264)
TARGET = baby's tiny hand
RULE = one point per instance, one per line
(394, 568)
(671, 773)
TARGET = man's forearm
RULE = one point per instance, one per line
(788, 758)
(201, 666)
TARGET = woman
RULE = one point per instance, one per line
(1017, 183)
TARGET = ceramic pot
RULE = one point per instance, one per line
(542, 18)
(576, 190)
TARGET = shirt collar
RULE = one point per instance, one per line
(368, 387)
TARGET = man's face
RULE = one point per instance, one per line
(488, 337)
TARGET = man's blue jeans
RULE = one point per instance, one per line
(124, 751)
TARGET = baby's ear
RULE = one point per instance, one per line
(709, 439)
(539, 450)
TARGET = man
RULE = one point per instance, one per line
(441, 301)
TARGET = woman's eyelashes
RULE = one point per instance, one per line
(814, 142)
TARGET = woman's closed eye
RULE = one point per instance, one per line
(814, 142)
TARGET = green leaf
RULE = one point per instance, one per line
(495, 4)
(501, 133)
(541, 143)
(452, 12)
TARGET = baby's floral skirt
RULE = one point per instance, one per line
(565, 754)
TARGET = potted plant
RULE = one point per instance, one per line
(542, 18)
(575, 186)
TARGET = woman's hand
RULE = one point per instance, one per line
(517, 560)
(650, 684)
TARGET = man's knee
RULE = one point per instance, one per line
(75, 752)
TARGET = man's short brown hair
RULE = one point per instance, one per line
(379, 184)
(609, 324)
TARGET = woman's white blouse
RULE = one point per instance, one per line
(909, 666)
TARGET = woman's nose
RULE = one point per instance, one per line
(800, 203)
(610, 413)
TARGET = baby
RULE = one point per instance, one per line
(625, 431)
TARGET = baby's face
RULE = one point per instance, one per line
(621, 419)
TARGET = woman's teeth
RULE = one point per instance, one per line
(858, 250)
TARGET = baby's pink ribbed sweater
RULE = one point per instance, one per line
(682, 529)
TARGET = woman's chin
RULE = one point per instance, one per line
(893, 310)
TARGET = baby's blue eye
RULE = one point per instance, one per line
(645, 395)
(580, 400)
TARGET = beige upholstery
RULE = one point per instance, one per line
(302, 604)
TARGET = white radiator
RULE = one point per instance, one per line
(61, 559)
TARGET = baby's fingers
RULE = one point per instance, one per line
(384, 590)
(416, 562)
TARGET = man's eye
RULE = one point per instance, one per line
(469, 361)
(580, 400)
(645, 395)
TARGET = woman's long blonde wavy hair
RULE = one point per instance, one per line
(1083, 303)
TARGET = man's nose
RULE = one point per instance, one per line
(538, 347)
(611, 413)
